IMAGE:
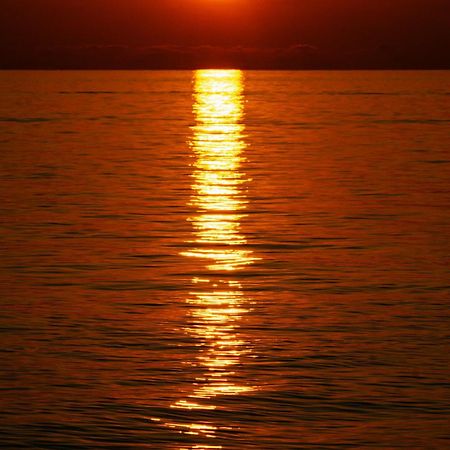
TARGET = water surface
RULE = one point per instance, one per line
(224, 259)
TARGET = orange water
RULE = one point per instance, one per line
(225, 260)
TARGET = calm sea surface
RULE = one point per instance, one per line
(224, 260)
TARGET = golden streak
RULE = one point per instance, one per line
(217, 305)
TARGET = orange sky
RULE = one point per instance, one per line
(246, 33)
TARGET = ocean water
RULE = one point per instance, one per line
(224, 260)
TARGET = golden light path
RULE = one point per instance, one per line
(217, 301)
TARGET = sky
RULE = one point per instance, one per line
(249, 34)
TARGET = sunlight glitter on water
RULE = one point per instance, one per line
(220, 202)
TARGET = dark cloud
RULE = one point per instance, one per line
(162, 56)
(172, 56)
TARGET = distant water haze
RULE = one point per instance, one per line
(224, 259)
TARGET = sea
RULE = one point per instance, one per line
(224, 259)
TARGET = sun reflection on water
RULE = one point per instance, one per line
(218, 144)
(217, 301)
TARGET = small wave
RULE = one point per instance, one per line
(89, 92)
(437, 161)
(413, 121)
(26, 119)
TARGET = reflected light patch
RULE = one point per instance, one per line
(217, 304)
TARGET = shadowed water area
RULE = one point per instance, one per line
(224, 260)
